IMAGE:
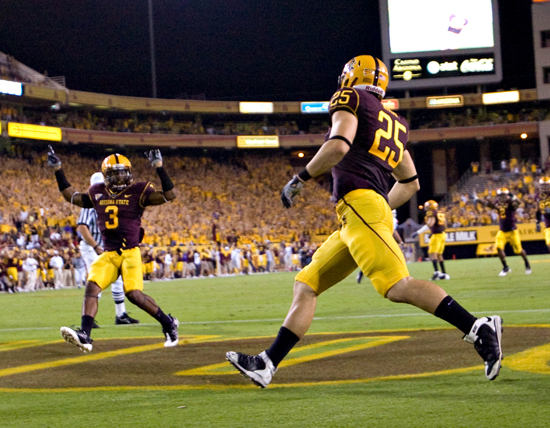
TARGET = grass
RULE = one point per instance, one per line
(255, 305)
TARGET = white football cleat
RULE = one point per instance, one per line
(486, 335)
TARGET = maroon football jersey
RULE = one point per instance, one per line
(507, 215)
(543, 202)
(119, 215)
(378, 146)
(439, 225)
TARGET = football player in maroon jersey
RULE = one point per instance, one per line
(365, 147)
(120, 203)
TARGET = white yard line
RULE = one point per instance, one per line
(421, 314)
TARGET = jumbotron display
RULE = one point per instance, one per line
(429, 43)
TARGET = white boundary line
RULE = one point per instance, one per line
(422, 314)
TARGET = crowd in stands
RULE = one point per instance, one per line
(223, 206)
(520, 177)
(476, 117)
(162, 123)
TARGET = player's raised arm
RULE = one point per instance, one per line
(70, 195)
(168, 192)
(407, 182)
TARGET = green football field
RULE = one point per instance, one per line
(368, 362)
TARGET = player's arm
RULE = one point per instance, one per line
(68, 192)
(397, 237)
(168, 192)
(407, 183)
(342, 134)
(88, 238)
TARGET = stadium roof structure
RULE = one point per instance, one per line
(22, 73)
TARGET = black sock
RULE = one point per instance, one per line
(285, 341)
(527, 266)
(504, 263)
(450, 311)
(162, 318)
(434, 262)
(86, 324)
(442, 266)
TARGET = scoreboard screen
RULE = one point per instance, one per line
(429, 43)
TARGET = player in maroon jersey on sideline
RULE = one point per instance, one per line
(543, 212)
(119, 203)
(365, 148)
(506, 205)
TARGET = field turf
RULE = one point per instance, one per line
(244, 311)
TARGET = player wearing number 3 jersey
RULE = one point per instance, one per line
(119, 203)
(366, 146)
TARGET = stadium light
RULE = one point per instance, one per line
(301, 155)
(523, 136)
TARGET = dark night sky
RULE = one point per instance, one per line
(227, 49)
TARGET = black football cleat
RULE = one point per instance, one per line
(125, 319)
(77, 337)
(258, 368)
(486, 335)
(171, 332)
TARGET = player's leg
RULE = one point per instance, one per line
(432, 254)
(379, 256)
(501, 244)
(117, 290)
(133, 286)
(331, 263)
(103, 271)
(515, 242)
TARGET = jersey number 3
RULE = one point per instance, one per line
(386, 145)
(112, 210)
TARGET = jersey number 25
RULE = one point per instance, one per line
(386, 145)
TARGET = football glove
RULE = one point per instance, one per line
(537, 227)
(154, 157)
(291, 189)
(53, 159)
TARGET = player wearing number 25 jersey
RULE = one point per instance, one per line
(365, 147)
(119, 203)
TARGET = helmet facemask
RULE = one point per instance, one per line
(118, 178)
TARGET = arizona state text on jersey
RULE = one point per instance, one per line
(378, 146)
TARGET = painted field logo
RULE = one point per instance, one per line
(198, 363)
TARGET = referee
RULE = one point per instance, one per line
(91, 246)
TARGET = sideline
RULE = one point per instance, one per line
(422, 314)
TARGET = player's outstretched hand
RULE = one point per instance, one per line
(53, 159)
(154, 157)
(414, 235)
(291, 189)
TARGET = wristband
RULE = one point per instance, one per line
(409, 180)
(304, 175)
(62, 181)
(97, 245)
(165, 180)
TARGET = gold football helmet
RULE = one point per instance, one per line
(117, 171)
(368, 72)
(431, 205)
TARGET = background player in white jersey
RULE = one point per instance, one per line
(91, 246)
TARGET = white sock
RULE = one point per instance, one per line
(120, 309)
